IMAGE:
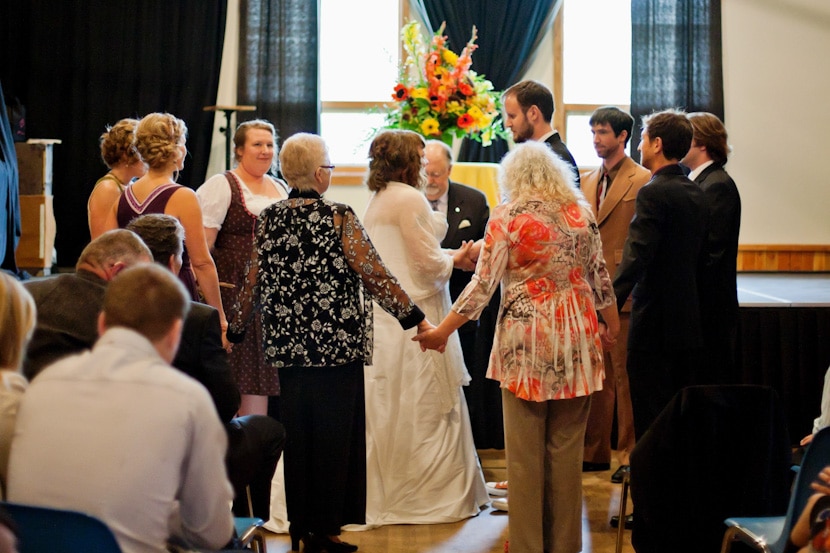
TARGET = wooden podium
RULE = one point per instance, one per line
(36, 248)
(229, 111)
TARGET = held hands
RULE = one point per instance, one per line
(606, 335)
(461, 257)
(475, 250)
(429, 337)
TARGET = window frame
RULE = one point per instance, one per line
(352, 174)
(561, 109)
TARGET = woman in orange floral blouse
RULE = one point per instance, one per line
(542, 244)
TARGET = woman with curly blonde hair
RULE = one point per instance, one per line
(542, 246)
(17, 321)
(160, 142)
(119, 155)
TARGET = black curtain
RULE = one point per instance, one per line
(508, 33)
(78, 66)
(10, 211)
(278, 62)
(676, 58)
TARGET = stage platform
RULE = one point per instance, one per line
(784, 290)
(784, 340)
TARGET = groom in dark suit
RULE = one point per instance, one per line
(661, 261)
(718, 284)
(467, 214)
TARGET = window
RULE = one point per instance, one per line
(358, 72)
(595, 68)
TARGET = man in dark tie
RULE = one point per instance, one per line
(467, 214)
(528, 112)
(718, 283)
(612, 190)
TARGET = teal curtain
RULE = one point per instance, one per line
(509, 31)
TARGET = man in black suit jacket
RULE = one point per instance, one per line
(659, 269)
(467, 214)
(528, 109)
(68, 307)
(718, 283)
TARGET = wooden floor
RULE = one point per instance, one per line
(487, 532)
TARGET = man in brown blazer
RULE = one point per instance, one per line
(612, 190)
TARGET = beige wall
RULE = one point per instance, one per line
(776, 57)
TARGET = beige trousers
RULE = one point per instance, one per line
(544, 444)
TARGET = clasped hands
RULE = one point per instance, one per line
(466, 257)
(429, 337)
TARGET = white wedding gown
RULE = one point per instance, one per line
(422, 466)
(421, 462)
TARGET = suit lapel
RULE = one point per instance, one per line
(620, 186)
(589, 188)
(454, 215)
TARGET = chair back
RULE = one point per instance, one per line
(816, 457)
(42, 529)
(712, 453)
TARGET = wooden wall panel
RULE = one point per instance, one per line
(783, 258)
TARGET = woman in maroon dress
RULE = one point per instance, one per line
(160, 142)
(231, 202)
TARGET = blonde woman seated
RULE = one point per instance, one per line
(124, 165)
(543, 247)
(17, 321)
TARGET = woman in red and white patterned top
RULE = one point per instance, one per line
(542, 245)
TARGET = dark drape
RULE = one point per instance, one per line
(676, 58)
(78, 66)
(508, 33)
(786, 348)
(9, 202)
(278, 62)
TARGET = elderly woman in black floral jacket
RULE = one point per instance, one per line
(317, 275)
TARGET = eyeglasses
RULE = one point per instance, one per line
(326, 167)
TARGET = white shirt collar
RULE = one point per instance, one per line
(700, 168)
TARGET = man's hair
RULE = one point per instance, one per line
(394, 156)
(615, 117)
(709, 132)
(443, 146)
(300, 156)
(163, 234)
(114, 246)
(674, 130)
(145, 298)
(532, 93)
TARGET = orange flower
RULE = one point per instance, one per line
(465, 89)
(465, 121)
(401, 93)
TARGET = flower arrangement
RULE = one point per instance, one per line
(439, 96)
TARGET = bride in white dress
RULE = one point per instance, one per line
(422, 466)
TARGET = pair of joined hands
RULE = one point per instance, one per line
(466, 257)
(429, 337)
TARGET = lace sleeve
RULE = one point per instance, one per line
(364, 260)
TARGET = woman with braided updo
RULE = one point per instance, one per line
(120, 156)
(160, 142)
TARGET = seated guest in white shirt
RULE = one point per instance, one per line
(119, 434)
